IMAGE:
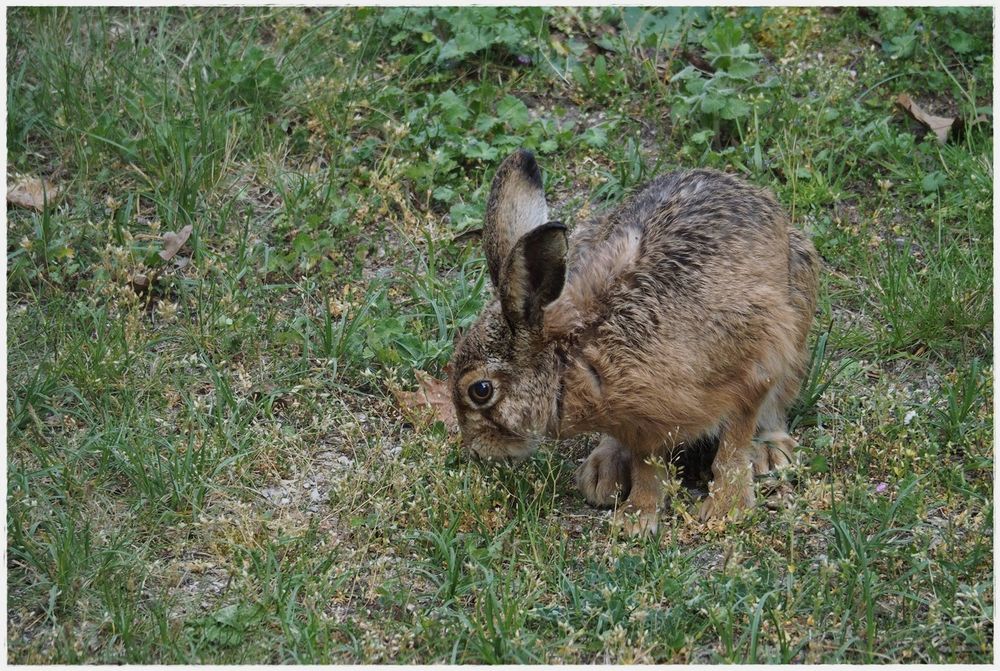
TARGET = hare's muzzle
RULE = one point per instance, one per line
(500, 448)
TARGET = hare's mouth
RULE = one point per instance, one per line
(513, 449)
(502, 432)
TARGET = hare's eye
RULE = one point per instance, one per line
(481, 391)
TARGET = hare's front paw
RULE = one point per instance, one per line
(604, 476)
(726, 499)
(636, 522)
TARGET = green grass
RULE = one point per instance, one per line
(214, 470)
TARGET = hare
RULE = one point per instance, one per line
(681, 316)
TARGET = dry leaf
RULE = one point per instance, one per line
(140, 283)
(939, 124)
(172, 242)
(32, 192)
(697, 61)
(431, 393)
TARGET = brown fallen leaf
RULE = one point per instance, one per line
(697, 61)
(140, 283)
(939, 124)
(31, 193)
(172, 242)
(433, 394)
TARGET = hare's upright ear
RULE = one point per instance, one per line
(516, 205)
(533, 274)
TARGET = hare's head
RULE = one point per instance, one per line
(505, 383)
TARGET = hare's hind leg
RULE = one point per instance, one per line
(605, 476)
(774, 448)
(731, 488)
(778, 447)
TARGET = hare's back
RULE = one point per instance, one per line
(692, 252)
(711, 266)
(691, 216)
(706, 203)
(702, 230)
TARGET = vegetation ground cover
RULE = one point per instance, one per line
(205, 462)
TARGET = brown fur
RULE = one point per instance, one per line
(684, 315)
(517, 199)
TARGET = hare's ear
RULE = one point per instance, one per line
(516, 205)
(533, 275)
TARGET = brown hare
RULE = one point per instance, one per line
(682, 315)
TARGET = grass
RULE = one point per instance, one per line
(211, 468)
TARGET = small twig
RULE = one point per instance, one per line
(877, 84)
(468, 235)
